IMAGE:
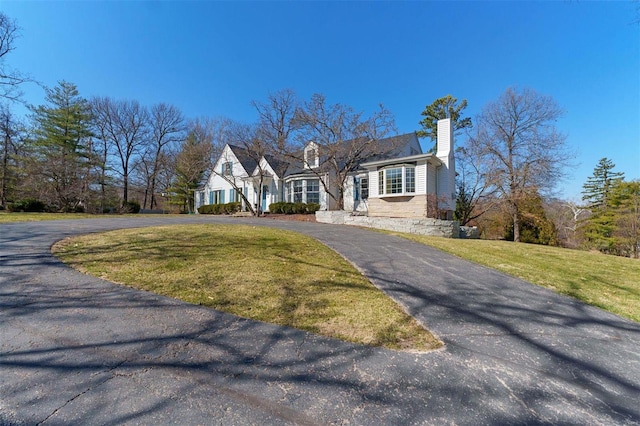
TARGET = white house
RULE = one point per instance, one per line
(403, 182)
(415, 186)
(229, 176)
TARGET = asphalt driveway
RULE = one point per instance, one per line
(79, 350)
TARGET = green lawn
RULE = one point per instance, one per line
(6, 217)
(265, 274)
(608, 282)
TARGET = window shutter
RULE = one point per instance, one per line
(221, 197)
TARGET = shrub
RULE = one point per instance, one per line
(300, 208)
(287, 208)
(276, 207)
(206, 209)
(312, 208)
(229, 208)
(28, 205)
(131, 207)
(293, 208)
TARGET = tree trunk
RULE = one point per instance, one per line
(125, 189)
(259, 203)
(5, 166)
(516, 227)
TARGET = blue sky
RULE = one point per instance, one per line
(213, 58)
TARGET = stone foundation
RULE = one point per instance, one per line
(404, 207)
(426, 226)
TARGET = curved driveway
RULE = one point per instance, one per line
(79, 350)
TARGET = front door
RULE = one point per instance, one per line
(265, 197)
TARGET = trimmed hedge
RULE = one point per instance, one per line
(229, 208)
(293, 208)
(29, 205)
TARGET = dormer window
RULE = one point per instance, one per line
(311, 156)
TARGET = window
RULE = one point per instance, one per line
(303, 191)
(361, 188)
(410, 179)
(364, 188)
(235, 195)
(227, 168)
(393, 181)
(396, 180)
(297, 191)
(216, 197)
(311, 156)
(313, 191)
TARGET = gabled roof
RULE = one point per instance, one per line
(279, 166)
(395, 143)
(243, 156)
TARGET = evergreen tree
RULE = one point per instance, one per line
(62, 156)
(599, 228)
(625, 207)
(596, 189)
(191, 164)
(441, 108)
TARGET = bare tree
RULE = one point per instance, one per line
(100, 111)
(213, 131)
(277, 120)
(123, 127)
(567, 217)
(10, 79)
(8, 133)
(271, 136)
(472, 186)
(167, 128)
(345, 139)
(253, 148)
(523, 151)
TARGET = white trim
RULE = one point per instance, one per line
(404, 192)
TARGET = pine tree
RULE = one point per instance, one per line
(191, 164)
(441, 108)
(597, 188)
(625, 206)
(63, 158)
(599, 228)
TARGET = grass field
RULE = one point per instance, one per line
(608, 282)
(6, 217)
(265, 274)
